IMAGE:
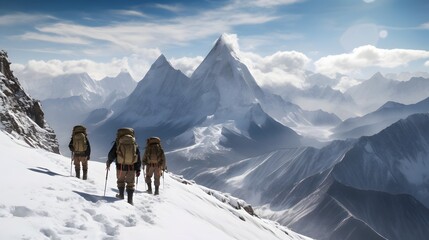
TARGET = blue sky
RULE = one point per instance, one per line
(103, 37)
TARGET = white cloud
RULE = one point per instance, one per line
(232, 41)
(425, 25)
(54, 38)
(131, 13)
(280, 68)
(186, 64)
(169, 7)
(23, 18)
(365, 57)
(136, 64)
(345, 83)
(132, 36)
(427, 63)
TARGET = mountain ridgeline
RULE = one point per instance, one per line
(221, 92)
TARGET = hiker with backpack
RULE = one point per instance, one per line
(154, 161)
(81, 150)
(126, 154)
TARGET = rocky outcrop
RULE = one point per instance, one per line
(21, 116)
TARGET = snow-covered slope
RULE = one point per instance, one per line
(376, 121)
(20, 115)
(45, 202)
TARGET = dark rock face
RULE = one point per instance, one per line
(21, 116)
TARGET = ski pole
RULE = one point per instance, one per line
(163, 182)
(105, 183)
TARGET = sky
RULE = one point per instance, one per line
(280, 39)
(47, 202)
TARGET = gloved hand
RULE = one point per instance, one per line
(137, 173)
(107, 166)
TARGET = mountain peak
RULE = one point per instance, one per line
(160, 61)
(377, 75)
(227, 41)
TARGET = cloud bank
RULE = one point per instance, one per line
(366, 57)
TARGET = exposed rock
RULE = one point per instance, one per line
(20, 115)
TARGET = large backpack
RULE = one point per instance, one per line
(79, 139)
(154, 150)
(126, 147)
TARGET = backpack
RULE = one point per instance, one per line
(126, 147)
(154, 150)
(79, 139)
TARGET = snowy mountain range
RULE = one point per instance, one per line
(220, 92)
(373, 93)
(378, 120)
(45, 202)
(368, 188)
(274, 149)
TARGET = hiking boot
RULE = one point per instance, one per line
(149, 188)
(156, 190)
(85, 174)
(77, 172)
(130, 196)
(120, 195)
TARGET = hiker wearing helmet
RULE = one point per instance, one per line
(81, 150)
(154, 161)
(126, 154)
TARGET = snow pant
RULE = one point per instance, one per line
(77, 161)
(126, 179)
(153, 170)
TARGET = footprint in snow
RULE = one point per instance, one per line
(21, 211)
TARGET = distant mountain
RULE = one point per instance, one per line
(370, 188)
(21, 116)
(322, 97)
(376, 121)
(94, 93)
(122, 82)
(405, 76)
(371, 94)
(75, 96)
(221, 92)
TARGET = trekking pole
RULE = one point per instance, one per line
(137, 183)
(71, 163)
(163, 182)
(144, 175)
(105, 183)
